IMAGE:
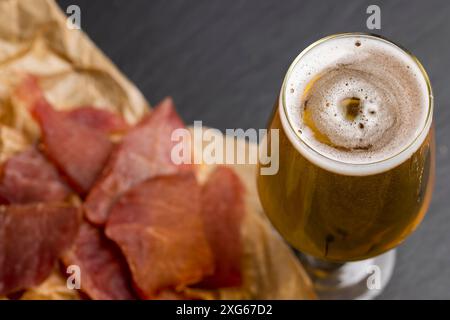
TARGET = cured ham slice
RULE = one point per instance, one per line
(173, 295)
(103, 120)
(158, 226)
(32, 237)
(144, 153)
(28, 177)
(223, 210)
(104, 274)
(79, 151)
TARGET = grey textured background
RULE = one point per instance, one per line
(223, 62)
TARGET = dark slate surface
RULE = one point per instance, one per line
(223, 62)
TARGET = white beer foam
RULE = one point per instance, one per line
(392, 88)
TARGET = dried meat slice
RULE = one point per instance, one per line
(157, 225)
(104, 273)
(144, 152)
(28, 177)
(223, 209)
(175, 295)
(103, 120)
(80, 152)
(32, 237)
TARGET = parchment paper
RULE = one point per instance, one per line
(73, 71)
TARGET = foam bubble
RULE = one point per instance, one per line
(357, 99)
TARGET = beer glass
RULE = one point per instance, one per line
(345, 218)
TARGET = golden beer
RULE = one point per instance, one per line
(335, 197)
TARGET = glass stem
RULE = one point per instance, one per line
(363, 279)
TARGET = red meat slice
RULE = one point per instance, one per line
(104, 274)
(32, 237)
(223, 209)
(157, 225)
(28, 177)
(173, 295)
(103, 120)
(144, 152)
(78, 151)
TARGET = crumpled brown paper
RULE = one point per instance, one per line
(53, 288)
(72, 71)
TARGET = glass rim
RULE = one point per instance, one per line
(424, 74)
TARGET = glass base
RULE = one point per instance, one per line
(360, 280)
